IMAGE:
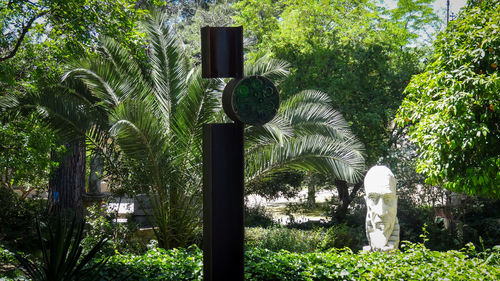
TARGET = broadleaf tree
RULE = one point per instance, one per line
(360, 54)
(451, 109)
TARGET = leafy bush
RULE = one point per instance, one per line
(278, 238)
(156, 264)
(295, 240)
(257, 216)
(451, 109)
(119, 236)
(339, 236)
(8, 264)
(414, 262)
(17, 220)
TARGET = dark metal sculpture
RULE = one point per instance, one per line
(251, 100)
(223, 209)
(221, 52)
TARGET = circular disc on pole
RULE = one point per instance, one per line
(252, 100)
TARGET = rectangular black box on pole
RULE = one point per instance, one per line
(223, 206)
(221, 52)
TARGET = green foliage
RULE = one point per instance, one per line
(9, 267)
(257, 216)
(70, 26)
(411, 17)
(155, 117)
(339, 236)
(283, 184)
(278, 238)
(415, 262)
(17, 221)
(156, 264)
(451, 109)
(25, 147)
(120, 238)
(62, 254)
(354, 51)
(188, 29)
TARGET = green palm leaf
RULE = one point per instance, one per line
(273, 69)
(156, 117)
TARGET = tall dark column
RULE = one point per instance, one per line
(223, 182)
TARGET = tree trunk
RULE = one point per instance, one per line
(345, 198)
(311, 195)
(67, 182)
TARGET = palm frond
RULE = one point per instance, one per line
(167, 68)
(195, 108)
(277, 130)
(97, 138)
(98, 85)
(67, 113)
(274, 69)
(310, 112)
(140, 135)
(123, 62)
(306, 96)
(314, 152)
(9, 100)
(318, 139)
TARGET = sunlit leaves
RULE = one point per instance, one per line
(452, 108)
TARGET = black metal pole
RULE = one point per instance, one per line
(223, 206)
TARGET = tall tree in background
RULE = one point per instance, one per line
(348, 49)
(156, 117)
(451, 110)
(38, 36)
(359, 54)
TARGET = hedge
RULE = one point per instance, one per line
(414, 262)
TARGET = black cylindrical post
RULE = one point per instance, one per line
(223, 206)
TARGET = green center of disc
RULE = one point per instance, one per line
(256, 100)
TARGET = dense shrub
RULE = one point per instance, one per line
(119, 236)
(17, 220)
(296, 240)
(257, 216)
(8, 264)
(157, 264)
(277, 238)
(414, 262)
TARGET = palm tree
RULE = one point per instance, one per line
(155, 115)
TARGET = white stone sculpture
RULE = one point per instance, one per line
(382, 226)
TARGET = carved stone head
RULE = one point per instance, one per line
(381, 203)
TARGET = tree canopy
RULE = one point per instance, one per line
(355, 51)
(154, 117)
(451, 109)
